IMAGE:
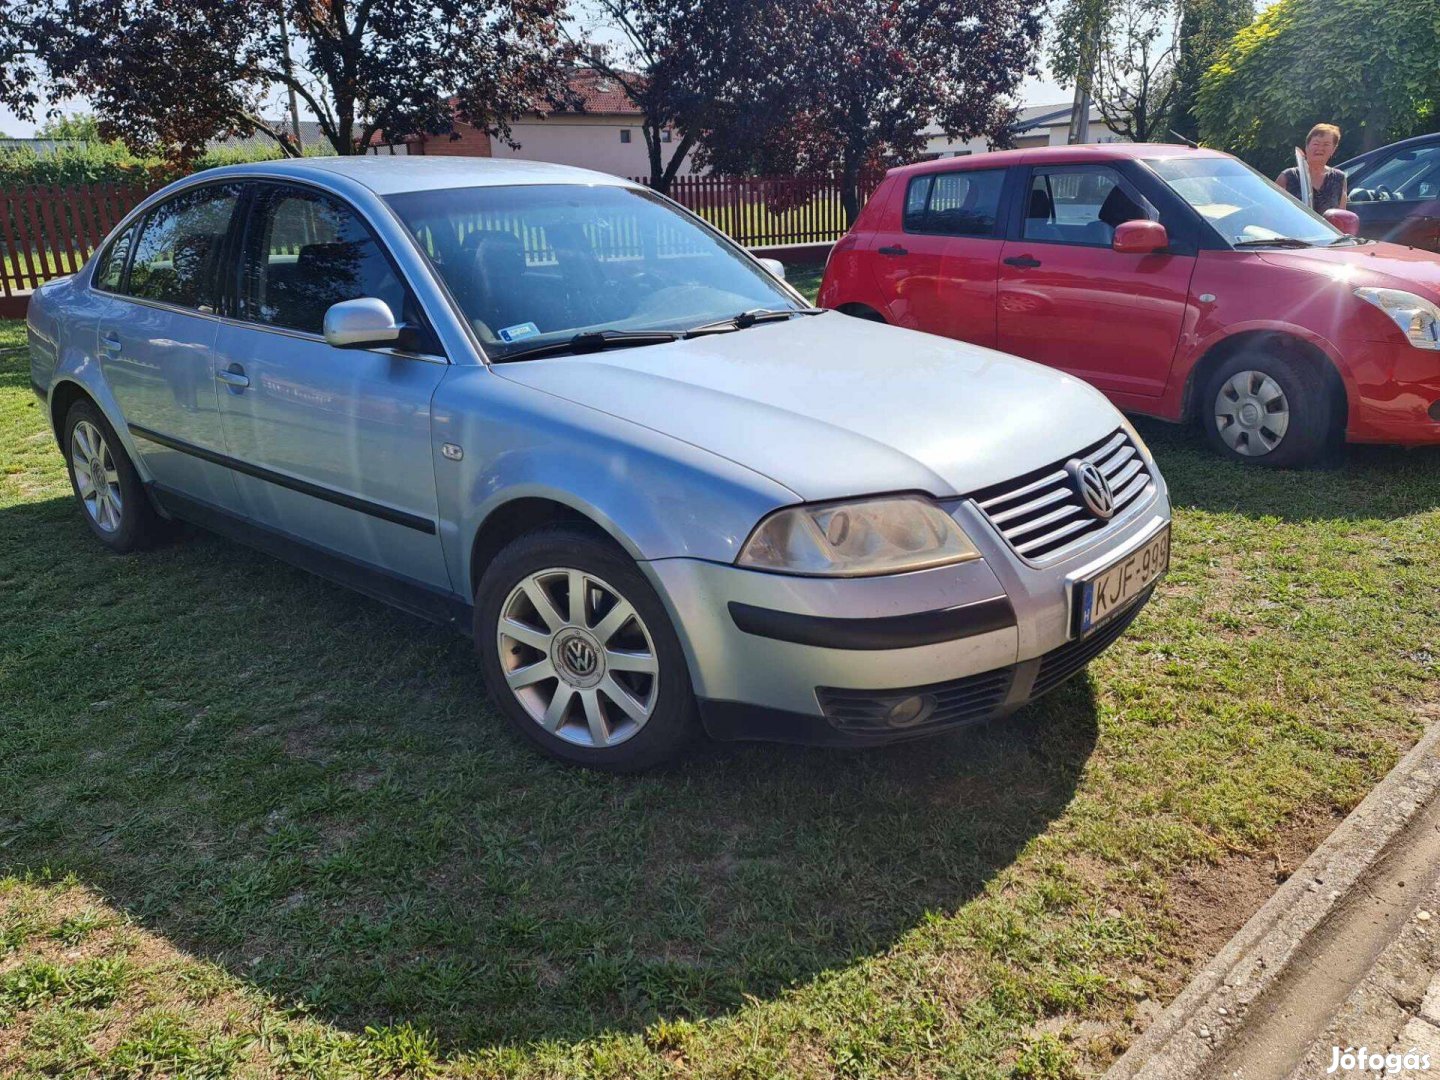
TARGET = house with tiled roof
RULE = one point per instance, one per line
(604, 135)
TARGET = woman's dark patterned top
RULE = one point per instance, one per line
(1325, 197)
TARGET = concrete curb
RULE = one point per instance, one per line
(1186, 1039)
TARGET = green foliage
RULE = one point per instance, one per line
(1123, 53)
(82, 126)
(89, 163)
(1367, 65)
(1206, 29)
(113, 163)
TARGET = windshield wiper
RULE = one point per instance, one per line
(592, 341)
(747, 319)
(1347, 239)
(1273, 241)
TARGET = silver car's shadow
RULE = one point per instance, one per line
(1355, 482)
(309, 790)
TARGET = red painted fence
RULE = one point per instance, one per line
(47, 232)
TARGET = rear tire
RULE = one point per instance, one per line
(112, 499)
(1265, 408)
(599, 681)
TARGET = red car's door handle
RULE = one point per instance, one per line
(1025, 262)
(893, 249)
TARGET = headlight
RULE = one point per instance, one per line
(858, 538)
(1418, 318)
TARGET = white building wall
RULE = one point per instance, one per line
(588, 142)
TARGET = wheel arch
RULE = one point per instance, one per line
(1262, 339)
(861, 311)
(524, 514)
(62, 396)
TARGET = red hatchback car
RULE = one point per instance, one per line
(1180, 282)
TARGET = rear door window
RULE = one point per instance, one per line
(177, 258)
(955, 203)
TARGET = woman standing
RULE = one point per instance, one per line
(1327, 185)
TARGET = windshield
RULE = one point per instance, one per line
(531, 264)
(1409, 176)
(1242, 205)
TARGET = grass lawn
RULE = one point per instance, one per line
(253, 824)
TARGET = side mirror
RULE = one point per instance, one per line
(1139, 237)
(775, 266)
(1347, 221)
(358, 324)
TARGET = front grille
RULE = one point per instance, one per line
(1041, 514)
(863, 712)
(1063, 661)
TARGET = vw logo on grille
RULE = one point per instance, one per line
(1093, 488)
(580, 656)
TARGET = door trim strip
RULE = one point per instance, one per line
(330, 495)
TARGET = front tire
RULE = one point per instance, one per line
(1263, 408)
(112, 499)
(579, 655)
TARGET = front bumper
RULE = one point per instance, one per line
(821, 660)
(1394, 392)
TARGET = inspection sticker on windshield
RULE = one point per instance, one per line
(519, 332)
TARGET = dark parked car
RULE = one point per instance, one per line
(1395, 191)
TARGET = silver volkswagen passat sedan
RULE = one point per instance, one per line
(562, 413)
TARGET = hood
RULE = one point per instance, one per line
(831, 406)
(1403, 267)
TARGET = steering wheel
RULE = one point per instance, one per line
(1383, 193)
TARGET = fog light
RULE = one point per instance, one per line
(907, 712)
(1435, 410)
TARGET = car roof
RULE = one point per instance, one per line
(1384, 151)
(1057, 155)
(391, 175)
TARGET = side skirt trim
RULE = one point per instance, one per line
(339, 498)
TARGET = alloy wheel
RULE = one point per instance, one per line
(578, 657)
(1251, 413)
(96, 476)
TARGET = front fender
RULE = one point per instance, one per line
(657, 496)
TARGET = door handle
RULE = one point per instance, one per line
(110, 344)
(234, 376)
(1025, 262)
(893, 249)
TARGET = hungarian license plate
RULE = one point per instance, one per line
(1110, 591)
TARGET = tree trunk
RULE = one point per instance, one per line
(850, 188)
(658, 180)
(677, 159)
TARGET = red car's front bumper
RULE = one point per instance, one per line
(1394, 392)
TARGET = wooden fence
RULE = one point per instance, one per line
(769, 211)
(47, 232)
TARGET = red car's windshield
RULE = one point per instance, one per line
(1243, 206)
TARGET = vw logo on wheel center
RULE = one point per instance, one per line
(1093, 488)
(577, 658)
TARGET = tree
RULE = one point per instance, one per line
(1123, 53)
(1367, 65)
(1206, 29)
(861, 80)
(174, 76)
(82, 127)
(680, 61)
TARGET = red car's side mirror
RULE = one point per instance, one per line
(1347, 221)
(1139, 237)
